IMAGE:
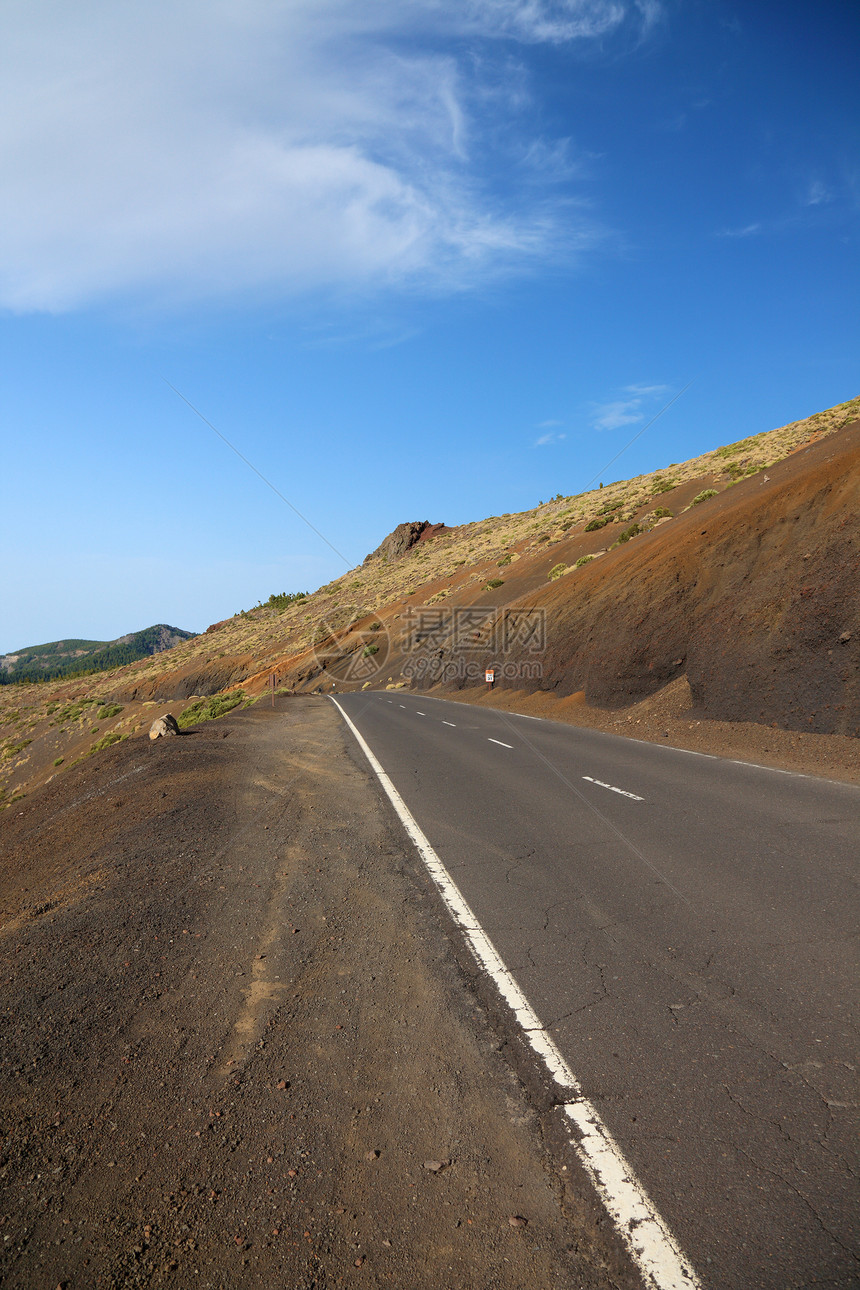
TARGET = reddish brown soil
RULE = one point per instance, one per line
(753, 595)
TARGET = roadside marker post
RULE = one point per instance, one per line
(490, 677)
(272, 683)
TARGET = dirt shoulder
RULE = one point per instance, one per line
(669, 717)
(237, 1042)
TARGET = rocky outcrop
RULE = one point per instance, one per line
(401, 540)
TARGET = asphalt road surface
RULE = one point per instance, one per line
(686, 927)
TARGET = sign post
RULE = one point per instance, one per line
(490, 677)
(272, 683)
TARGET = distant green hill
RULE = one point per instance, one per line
(79, 657)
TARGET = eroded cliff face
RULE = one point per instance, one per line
(756, 597)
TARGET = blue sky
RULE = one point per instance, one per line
(415, 259)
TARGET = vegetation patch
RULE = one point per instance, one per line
(742, 445)
(108, 710)
(210, 709)
(12, 750)
(662, 485)
(495, 582)
(557, 571)
(583, 559)
(663, 513)
(600, 522)
(369, 650)
(114, 737)
(703, 496)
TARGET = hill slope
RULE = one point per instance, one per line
(732, 576)
(77, 657)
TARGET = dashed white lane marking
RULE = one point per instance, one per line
(651, 1245)
(450, 723)
(420, 714)
(613, 789)
(403, 705)
(499, 742)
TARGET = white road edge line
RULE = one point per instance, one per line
(648, 1240)
(420, 714)
(450, 723)
(613, 789)
(499, 742)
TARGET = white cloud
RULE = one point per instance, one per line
(544, 425)
(817, 193)
(638, 404)
(551, 437)
(181, 149)
(748, 230)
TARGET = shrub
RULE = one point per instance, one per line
(495, 582)
(114, 737)
(108, 710)
(282, 599)
(627, 534)
(599, 523)
(557, 571)
(703, 496)
(368, 650)
(662, 485)
(506, 559)
(663, 513)
(59, 761)
(12, 750)
(210, 709)
(613, 506)
(583, 559)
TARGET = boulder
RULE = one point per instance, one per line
(164, 726)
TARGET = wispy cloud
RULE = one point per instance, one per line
(817, 194)
(551, 437)
(635, 405)
(183, 150)
(747, 230)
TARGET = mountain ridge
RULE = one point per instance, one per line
(74, 656)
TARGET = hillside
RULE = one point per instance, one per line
(722, 590)
(78, 657)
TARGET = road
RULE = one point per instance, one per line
(685, 927)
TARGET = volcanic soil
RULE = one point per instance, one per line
(238, 1050)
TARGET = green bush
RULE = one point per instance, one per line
(495, 582)
(557, 571)
(662, 485)
(114, 737)
(627, 534)
(663, 513)
(506, 559)
(59, 761)
(368, 650)
(108, 710)
(583, 559)
(210, 709)
(703, 496)
(599, 523)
